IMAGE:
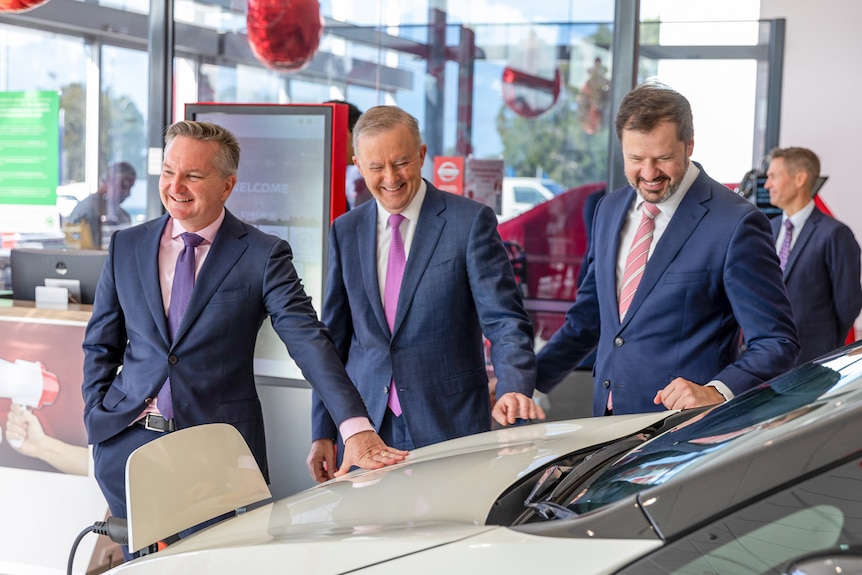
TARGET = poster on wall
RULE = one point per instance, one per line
(49, 492)
(29, 161)
(483, 182)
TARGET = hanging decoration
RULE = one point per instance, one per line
(283, 34)
(529, 95)
(20, 5)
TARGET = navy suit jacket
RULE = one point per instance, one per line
(822, 278)
(458, 283)
(713, 270)
(247, 276)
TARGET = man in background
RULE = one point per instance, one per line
(103, 207)
(677, 265)
(413, 344)
(819, 256)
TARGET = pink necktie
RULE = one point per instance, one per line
(181, 293)
(784, 252)
(637, 258)
(391, 290)
(635, 264)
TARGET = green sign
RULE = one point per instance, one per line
(29, 148)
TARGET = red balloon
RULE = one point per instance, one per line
(19, 5)
(284, 34)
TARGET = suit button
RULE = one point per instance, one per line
(606, 383)
(619, 341)
(173, 359)
(394, 349)
(385, 390)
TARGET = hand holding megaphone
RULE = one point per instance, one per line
(29, 385)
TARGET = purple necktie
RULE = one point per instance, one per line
(394, 272)
(784, 252)
(181, 293)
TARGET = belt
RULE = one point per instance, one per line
(158, 423)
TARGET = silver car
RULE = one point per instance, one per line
(769, 482)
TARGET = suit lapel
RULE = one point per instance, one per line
(223, 255)
(685, 220)
(428, 231)
(366, 239)
(808, 230)
(147, 255)
(609, 258)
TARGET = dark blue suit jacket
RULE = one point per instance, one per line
(822, 278)
(713, 271)
(247, 276)
(458, 283)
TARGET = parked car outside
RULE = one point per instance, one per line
(522, 194)
(746, 487)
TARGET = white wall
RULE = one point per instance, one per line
(821, 94)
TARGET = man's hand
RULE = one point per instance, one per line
(684, 394)
(513, 406)
(366, 450)
(321, 460)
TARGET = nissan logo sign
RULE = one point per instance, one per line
(448, 172)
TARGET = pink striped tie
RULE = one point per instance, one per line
(637, 258)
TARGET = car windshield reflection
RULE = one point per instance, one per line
(656, 461)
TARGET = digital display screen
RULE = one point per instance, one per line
(283, 188)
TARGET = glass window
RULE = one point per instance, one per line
(34, 61)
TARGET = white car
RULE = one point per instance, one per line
(766, 483)
(522, 194)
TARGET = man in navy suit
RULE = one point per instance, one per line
(821, 269)
(457, 285)
(242, 276)
(711, 270)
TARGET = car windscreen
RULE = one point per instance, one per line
(664, 457)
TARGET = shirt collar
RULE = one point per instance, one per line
(208, 233)
(801, 216)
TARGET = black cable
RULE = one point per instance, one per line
(75, 548)
(115, 527)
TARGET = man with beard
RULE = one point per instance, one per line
(679, 264)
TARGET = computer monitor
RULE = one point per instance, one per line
(31, 267)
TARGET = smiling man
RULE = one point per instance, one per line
(152, 365)
(677, 266)
(413, 344)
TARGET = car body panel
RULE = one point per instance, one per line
(428, 489)
(654, 492)
(520, 553)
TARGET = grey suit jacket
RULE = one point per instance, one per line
(458, 284)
